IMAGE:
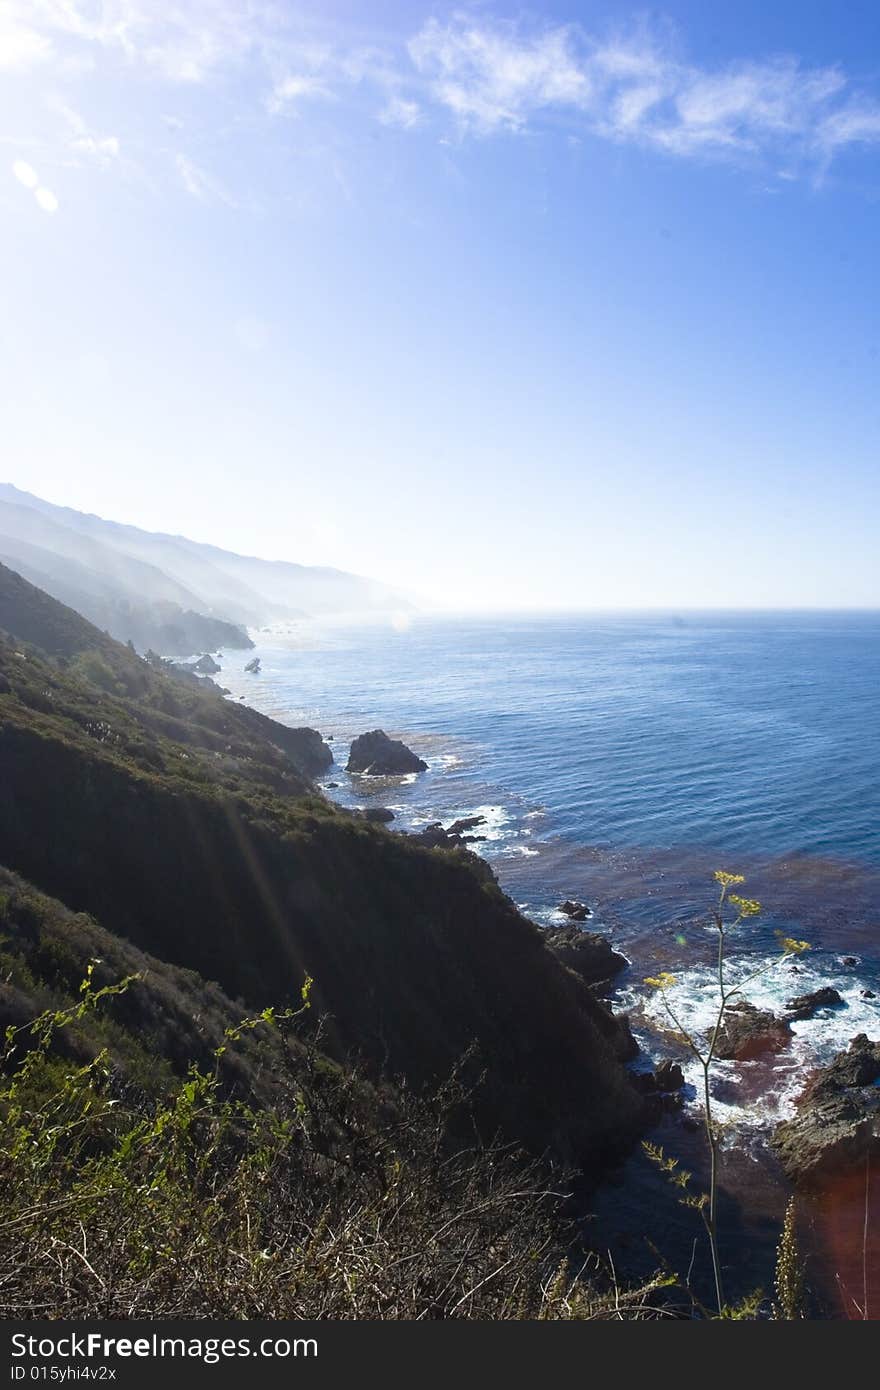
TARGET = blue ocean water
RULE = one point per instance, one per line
(619, 759)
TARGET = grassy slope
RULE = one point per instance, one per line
(222, 860)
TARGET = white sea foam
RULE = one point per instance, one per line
(694, 1000)
(445, 761)
(496, 822)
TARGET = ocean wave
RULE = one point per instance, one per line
(758, 1094)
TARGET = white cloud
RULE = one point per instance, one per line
(292, 88)
(493, 76)
(102, 148)
(195, 180)
(469, 74)
(184, 42)
(497, 76)
(199, 183)
(21, 45)
(400, 112)
(854, 124)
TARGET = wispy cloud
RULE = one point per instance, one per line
(288, 91)
(199, 183)
(491, 76)
(470, 75)
(22, 46)
(401, 112)
(185, 42)
(635, 88)
(82, 140)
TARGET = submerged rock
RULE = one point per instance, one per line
(587, 953)
(805, 1005)
(377, 755)
(837, 1125)
(748, 1031)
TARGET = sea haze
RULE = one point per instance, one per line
(621, 758)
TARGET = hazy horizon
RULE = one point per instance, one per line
(425, 608)
(565, 310)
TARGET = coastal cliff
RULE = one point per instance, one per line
(187, 826)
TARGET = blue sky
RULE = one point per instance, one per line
(565, 306)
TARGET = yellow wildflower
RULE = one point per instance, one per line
(791, 947)
(725, 879)
(746, 907)
(662, 981)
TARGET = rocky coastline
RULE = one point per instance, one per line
(837, 1120)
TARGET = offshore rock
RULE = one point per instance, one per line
(805, 1005)
(578, 912)
(748, 1031)
(377, 755)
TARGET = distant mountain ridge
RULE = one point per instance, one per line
(166, 591)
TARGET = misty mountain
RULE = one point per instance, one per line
(164, 591)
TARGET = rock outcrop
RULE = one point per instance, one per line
(305, 747)
(380, 815)
(578, 912)
(462, 826)
(206, 665)
(377, 755)
(436, 836)
(668, 1076)
(587, 953)
(253, 666)
(805, 1005)
(837, 1125)
(661, 1088)
(748, 1031)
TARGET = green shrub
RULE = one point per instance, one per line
(335, 1202)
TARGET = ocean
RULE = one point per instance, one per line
(620, 759)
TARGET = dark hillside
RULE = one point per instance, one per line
(197, 856)
(164, 1021)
